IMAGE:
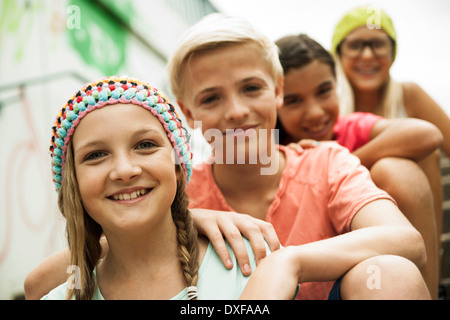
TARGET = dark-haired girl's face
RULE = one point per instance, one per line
(311, 106)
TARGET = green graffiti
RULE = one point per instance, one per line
(17, 18)
(98, 35)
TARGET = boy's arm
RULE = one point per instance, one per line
(408, 138)
(217, 225)
(372, 234)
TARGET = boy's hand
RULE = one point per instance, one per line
(276, 277)
(217, 225)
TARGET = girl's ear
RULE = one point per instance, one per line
(279, 92)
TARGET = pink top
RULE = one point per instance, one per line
(320, 191)
(353, 131)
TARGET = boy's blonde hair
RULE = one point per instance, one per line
(216, 31)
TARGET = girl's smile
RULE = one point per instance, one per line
(126, 195)
(368, 70)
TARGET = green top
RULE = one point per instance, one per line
(215, 282)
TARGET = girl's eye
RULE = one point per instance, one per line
(292, 101)
(324, 90)
(145, 145)
(94, 156)
(354, 45)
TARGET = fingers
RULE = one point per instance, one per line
(233, 227)
(215, 236)
(308, 143)
(270, 235)
(258, 232)
(295, 146)
(235, 239)
(303, 144)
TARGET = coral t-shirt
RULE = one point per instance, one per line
(320, 191)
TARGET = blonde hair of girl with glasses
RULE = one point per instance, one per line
(364, 45)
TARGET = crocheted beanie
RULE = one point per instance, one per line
(109, 91)
(370, 16)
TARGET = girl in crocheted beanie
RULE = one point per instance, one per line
(121, 160)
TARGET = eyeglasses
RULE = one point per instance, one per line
(381, 47)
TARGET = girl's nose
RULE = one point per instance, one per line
(367, 52)
(314, 112)
(124, 168)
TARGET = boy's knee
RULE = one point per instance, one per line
(385, 277)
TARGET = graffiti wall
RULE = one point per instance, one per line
(47, 50)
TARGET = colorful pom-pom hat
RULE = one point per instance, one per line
(109, 91)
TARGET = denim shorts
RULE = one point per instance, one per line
(335, 290)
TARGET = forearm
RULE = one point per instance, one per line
(329, 259)
(409, 138)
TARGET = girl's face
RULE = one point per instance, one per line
(124, 167)
(368, 70)
(311, 106)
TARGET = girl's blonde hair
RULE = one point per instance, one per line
(83, 233)
(391, 104)
(214, 31)
(391, 101)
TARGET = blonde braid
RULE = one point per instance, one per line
(187, 236)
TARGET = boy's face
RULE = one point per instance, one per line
(311, 106)
(231, 88)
